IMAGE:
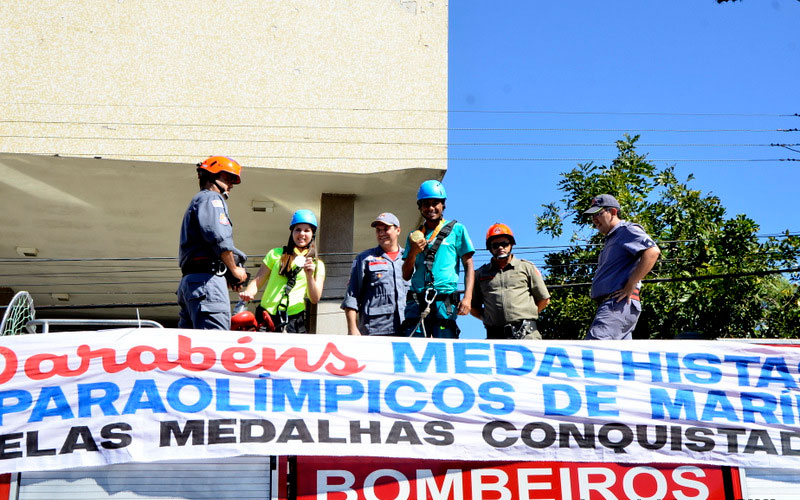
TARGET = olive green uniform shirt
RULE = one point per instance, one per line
(508, 294)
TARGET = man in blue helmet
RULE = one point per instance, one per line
(432, 259)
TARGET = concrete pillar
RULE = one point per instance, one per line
(335, 243)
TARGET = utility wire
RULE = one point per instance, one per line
(39, 260)
(407, 158)
(392, 143)
(549, 286)
(391, 110)
(370, 127)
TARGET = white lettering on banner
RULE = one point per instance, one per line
(451, 485)
(490, 480)
(86, 398)
(402, 484)
(679, 476)
(346, 486)
(524, 478)
(451, 480)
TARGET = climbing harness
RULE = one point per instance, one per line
(429, 295)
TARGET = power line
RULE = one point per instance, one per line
(394, 143)
(41, 260)
(407, 158)
(370, 127)
(549, 286)
(703, 277)
(395, 110)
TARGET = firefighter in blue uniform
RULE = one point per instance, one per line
(210, 263)
(375, 301)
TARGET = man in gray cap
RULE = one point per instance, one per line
(627, 256)
(375, 301)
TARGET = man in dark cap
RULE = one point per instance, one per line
(627, 256)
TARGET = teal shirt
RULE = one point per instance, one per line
(446, 264)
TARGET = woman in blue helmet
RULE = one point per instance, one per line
(292, 274)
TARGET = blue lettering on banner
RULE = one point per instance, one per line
(506, 402)
(42, 410)
(713, 374)
(462, 357)
(391, 396)
(551, 392)
(435, 352)
(526, 359)
(594, 400)
(589, 371)
(23, 402)
(684, 402)
(105, 402)
(204, 390)
(549, 366)
(224, 397)
(783, 377)
(333, 396)
(144, 396)
(653, 365)
(467, 396)
(283, 391)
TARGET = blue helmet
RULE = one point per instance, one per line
(304, 217)
(431, 190)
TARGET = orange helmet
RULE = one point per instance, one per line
(499, 229)
(217, 164)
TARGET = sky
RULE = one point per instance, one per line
(681, 74)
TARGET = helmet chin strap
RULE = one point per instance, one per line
(222, 191)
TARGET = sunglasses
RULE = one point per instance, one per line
(498, 244)
(597, 214)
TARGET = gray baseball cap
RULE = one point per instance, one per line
(600, 202)
(387, 218)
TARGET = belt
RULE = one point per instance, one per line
(603, 298)
(512, 330)
(201, 266)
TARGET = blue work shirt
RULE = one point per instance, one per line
(377, 291)
(207, 230)
(623, 247)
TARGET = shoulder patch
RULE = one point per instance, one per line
(223, 219)
(216, 203)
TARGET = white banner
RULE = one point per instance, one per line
(93, 398)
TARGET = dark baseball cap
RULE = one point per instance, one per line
(601, 202)
(387, 218)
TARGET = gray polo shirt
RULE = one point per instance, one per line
(623, 247)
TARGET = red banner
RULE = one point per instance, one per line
(368, 478)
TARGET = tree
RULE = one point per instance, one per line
(698, 243)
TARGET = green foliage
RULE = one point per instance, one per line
(696, 240)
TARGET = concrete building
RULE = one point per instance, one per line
(106, 107)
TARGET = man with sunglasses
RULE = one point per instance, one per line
(627, 256)
(509, 293)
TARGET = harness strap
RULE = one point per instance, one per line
(430, 251)
(283, 306)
